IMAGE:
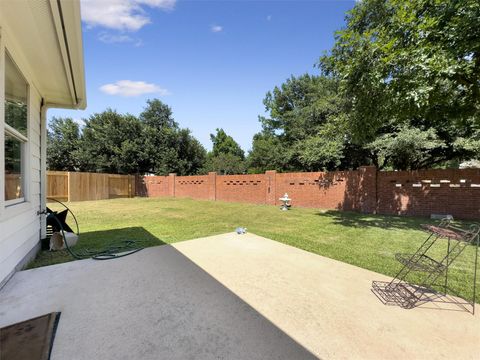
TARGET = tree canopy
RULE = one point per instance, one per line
(122, 143)
(409, 72)
(225, 144)
(226, 157)
(399, 61)
(167, 147)
(305, 127)
(63, 140)
(400, 89)
(111, 143)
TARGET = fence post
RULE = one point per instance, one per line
(131, 185)
(368, 189)
(171, 184)
(212, 186)
(69, 194)
(270, 188)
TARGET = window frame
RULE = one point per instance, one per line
(11, 131)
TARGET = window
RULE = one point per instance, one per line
(16, 119)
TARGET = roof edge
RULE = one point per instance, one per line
(67, 20)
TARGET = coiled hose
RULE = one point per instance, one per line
(127, 247)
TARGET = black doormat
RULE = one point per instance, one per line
(29, 340)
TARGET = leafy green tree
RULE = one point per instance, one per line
(407, 148)
(226, 157)
(225, 144)
(409, 63)
(320, 151)
(267, 153)
(225, 164)
(158, 115)
(118, 143)
(63, 139)
(189, 153)
(301, 106)
(112, 142)
(305, 128)
(167, 147)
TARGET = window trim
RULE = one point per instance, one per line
(15, 133)
(8, 130)
(9, 203)
(11, 131)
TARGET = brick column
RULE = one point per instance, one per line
(212, 186)
(171, 184)
(368, 189)
(270, 187)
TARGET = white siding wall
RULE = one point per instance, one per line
(20, 223)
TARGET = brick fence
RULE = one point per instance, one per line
(424, 192)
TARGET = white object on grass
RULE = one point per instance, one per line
(286, 202)
(241, 230)
(71, 239)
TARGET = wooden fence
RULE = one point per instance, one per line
(80, 186)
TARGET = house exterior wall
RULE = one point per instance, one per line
(20, 225)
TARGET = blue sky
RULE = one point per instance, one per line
(211, 61)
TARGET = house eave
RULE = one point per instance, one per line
(67, 18)
(45, 39)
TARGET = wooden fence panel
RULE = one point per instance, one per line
(81, 186)
(120, 186)
(57, 185)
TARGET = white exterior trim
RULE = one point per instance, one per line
(21, 224)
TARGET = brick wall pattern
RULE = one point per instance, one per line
(417, 193)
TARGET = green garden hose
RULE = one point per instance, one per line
(127, 247)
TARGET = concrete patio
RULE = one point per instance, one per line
(230, 297)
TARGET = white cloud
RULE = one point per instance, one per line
(114, 38)
(109, 38)
(121, 14)
(216, 28)
(129, 88)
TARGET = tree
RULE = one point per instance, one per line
(226, 157)
(167, 147)
(305, 129)
(63, 138)
(158, 115)
(225, 144)
(410, 64)
(407, 148)
(122, 143)
(225, 164)
(267, 153)
(190, 154)
(112, 142)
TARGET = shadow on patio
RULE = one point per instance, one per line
(229, 296)
(155, 304)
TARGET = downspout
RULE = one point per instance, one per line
(43, 169)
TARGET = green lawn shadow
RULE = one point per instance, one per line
(389, 222)
(96, 241)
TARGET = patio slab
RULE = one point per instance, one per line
(230, 297)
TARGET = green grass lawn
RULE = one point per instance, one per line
(367, 241)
